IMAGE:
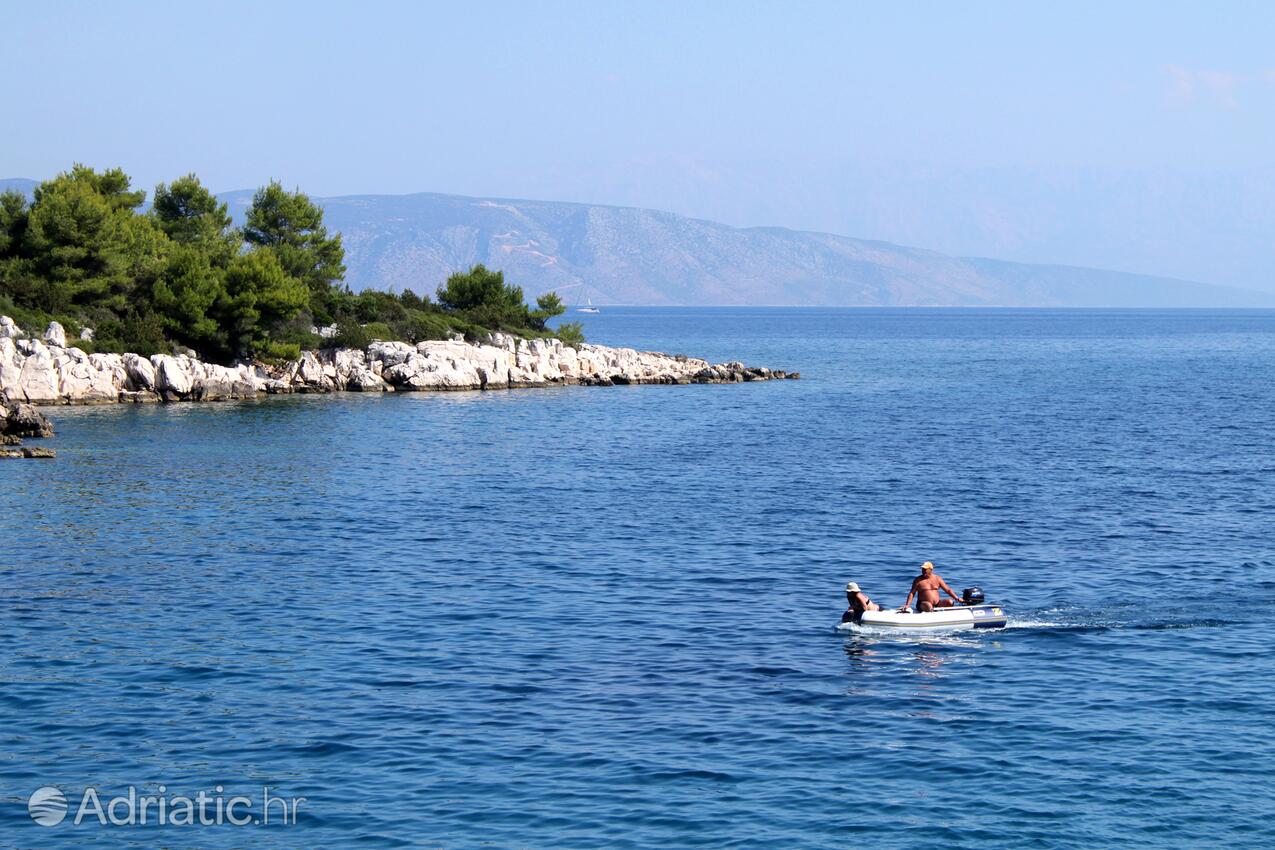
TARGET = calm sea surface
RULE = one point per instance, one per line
(603, 618)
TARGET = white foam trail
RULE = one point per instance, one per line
(1037, 624)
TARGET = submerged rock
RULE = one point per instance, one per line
(26, 451)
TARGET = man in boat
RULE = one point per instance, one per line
(859, 602)
(926, 587)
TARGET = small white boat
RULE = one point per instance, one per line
(947, 619)
(588, 309)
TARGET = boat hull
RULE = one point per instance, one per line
(956, 618)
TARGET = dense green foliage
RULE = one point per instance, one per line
(482, 297)
(84, 252)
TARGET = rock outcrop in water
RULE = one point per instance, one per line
(47, 371)
(19, 421)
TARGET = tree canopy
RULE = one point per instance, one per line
(191, 215)
(84, 251)
(291, 225)
(482, 296)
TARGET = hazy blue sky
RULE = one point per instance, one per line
(1131, 135)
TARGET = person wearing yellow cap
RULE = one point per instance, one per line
(926, 587)
(859, 602)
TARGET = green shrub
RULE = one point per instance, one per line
(32, 322)
(373, 306)
(571, 333)
(350, 334)
(142, 333)
(298, 330)
(412, 301)
(280, 351)
(420, 325)
(547, 306)
(379, 330)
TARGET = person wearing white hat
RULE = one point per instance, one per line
(926, 587)
(859, 602)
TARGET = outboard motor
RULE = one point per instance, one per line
(972, 596)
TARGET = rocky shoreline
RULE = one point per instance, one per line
(48, 371)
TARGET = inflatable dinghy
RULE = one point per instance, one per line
(970, 613)
(956, 617)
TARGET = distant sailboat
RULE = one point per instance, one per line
(589, 309)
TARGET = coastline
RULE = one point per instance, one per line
(47, 371)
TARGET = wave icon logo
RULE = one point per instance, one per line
(47, 806)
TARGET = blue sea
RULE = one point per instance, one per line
(604, 617)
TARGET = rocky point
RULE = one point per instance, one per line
(46, 370)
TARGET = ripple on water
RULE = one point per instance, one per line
(600, 618)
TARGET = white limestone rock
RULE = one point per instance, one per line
(364, 380)
(38, 381)
(113, 365)
(347, 359)
(568, 363)
(389, 353)
(343, 362)
(69, 355)
(47, 371)
(493, 365)
(173, 378)
(10, 365)
(54, 334)
(80, 383)
(140, 373)
(308, 374)
(219, 383)
(505, 341)
(434, 372)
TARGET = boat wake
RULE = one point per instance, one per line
(1015, 623)
(1050, 622)
(1100, 624)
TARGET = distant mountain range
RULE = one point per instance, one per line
(623, 255)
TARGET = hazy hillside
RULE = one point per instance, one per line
(620, 255)
(22, 184)
(623, 255)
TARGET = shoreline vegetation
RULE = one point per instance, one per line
(179, 278)
(173, 303)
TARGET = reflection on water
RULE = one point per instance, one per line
(928, 664)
